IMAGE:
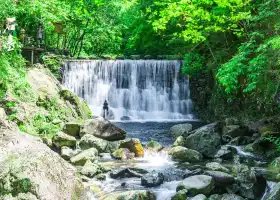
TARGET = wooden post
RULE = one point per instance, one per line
(32, 56)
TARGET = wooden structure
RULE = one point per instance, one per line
(32, 54)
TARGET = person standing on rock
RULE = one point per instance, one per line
(105, 109)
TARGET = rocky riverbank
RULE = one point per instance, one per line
(205, 163)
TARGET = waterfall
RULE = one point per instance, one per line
(135, 89)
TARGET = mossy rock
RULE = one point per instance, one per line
(154, 146)
(180, 195)
(123, 154)
(80, 105)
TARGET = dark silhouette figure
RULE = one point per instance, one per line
(105, 109)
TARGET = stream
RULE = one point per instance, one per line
(152, 162)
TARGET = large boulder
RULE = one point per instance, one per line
(221, 178)
(90, 141)
(131, 195)
(134, 145)
(47, 88)
(199, 184)
(152, 179)
(247, 183)
(103, 129)
(62, 139)
(182, 154)
(180, 130)
(31, 170)
(206, 140)
(81, 158)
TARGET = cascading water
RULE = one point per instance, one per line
(135, 89)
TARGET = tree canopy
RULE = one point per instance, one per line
(235, 42)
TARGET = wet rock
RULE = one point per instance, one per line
(241, 140)
(225, 153)
(62, 139)
(134, 145)
(89, 169)
(180, 141)
(259, 146)
(101, 177)
(193, 173)
(182, 154)
(125, 173)
(206, 140)
(113, 146)
(72, 128)
(81, 158)
(231, 197)
(103, 129)
(237, 131)
(247, 183)
(199, 184)
(154, 146)
(225, 197)
(199, 197)
(132, 195)
(215, 197)
(123, 154)
(180, 195)
(125, 118)
(152, 179)
(275, 165)
(90, 141)
(214, 166)
(180, 130)
(221, 178)
(67, 153)
(139, 170)
(274, 194)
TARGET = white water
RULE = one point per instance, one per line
(158, 161)
(142, 90)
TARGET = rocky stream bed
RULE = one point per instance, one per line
(177, 161)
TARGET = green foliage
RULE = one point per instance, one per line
(13, 76)
(197, 19)
(275, 140)
(193, 64)
(53, 63)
